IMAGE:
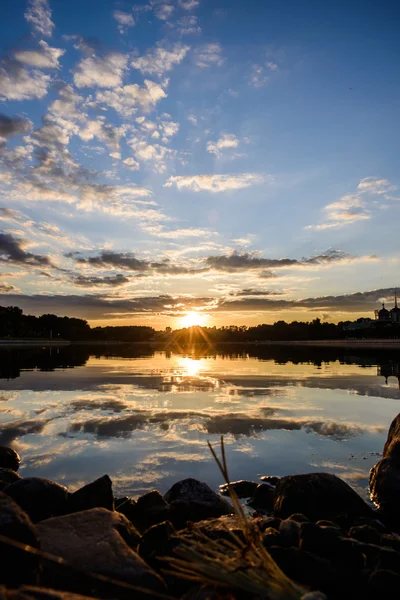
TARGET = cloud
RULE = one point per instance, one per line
(12, 251)
(112, 198)
(356, 206)
(5, 288)
(188, 25)
(154, 155)
(258, 78)
(103, 72)
(104, 132)
(93, 281)
(44, 58)
(17, 83)
(227, 141)
(216, 183)
(255, 292)
(38, 14)
(189, 4)
(209, 55)
(124, 20)
(12, 126)
(160, 60)
(128, 99)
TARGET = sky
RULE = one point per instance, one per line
(214, 162)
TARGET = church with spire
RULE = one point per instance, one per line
(389, 316)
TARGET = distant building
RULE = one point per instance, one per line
(389, 316)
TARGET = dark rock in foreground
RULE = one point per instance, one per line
(39, 498)
(242, 488)
(95, 541)
(384, 478)
(318, 496)
(28, 592)
(201, 501)
(7, 476)
(9, 459)
(17, 566)
(97, 494)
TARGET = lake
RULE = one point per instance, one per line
(144, 416)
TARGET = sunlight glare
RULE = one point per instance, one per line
(190, 367)
(193, 318)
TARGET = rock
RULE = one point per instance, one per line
(384, 480)
(304, 568)
(7, 476)
(271, 537)
(270, 479)
(152, 508)
(314, 596)
(325, 523)
(263, 497)
(242, 489)
(289, 533)
(268, 522)
(318, 496)
(92, 541)
(202, 501)
(375, 523)
(38, 593)
(299, 518)
(127, 507)
(157, 541)
(205, 592)
(388, 559)
(9, 459)
(366, 534)
(383, 584)
(218, 529)
(321, 541)
(97, 494)
(393, 541)
(17, 566)
(39, 498)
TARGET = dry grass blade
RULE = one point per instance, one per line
(241, 565)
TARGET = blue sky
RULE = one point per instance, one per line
(235, 161)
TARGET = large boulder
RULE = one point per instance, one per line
(39, 498)
(95, 541)
(200, 500)
(318, 496)
(16, 565)
(384, 479)
(97, 494)
(9, 459)
(7, 476)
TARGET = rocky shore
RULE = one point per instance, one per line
(307, 536)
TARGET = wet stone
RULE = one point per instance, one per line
(17, 566)
(97, 494)
(365, 533)
(299, 518)
(202, 501)
(289, 533)
(270, 479)
(7, 476)
(39, 498)
(383, 584)
(9, 458)
(242, 488)
(263, 497)
(271, 537)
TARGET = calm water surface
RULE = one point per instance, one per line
(144, 416)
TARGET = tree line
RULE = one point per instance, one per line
(15, 324)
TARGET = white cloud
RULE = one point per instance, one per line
(154, 155)
(159, 231)
(189, 4)
(124, 20)
(163, 10)
(127, 99)
(131, 164)
(215, 183)
(111, 198)
(188, 25)
(272, 66)
(351, 208)
(160, 60)
(17, 83)
(209, 55)
(102, 72)
(105, 132)
(44, 58)
(227, 141)
(258, 77)
(38, 14)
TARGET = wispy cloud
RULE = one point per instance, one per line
(104, 72)
(209, 55)
(355, 206)
(227, 141)
(19, 83)
(124, 19)
(217, 183)
(38, 14)
(161, 59)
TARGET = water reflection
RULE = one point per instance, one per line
(144, 414)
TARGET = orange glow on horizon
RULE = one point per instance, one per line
(193, 318)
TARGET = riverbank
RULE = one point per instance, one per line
(311, 537)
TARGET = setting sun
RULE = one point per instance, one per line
(193, 318)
